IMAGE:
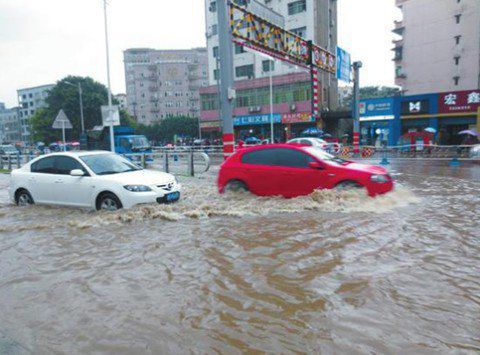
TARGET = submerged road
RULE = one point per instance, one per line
(331, 272)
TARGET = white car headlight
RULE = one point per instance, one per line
(379, 178)
(137, 188)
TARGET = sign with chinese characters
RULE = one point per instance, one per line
(210, 124)
(344, 65)
(255, 119)
(415, 107)
(376, 109)
(297, 117)
(459, 102)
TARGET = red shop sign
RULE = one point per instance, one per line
(297, 117)
(459, 101)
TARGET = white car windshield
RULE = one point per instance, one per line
(106, 164)
(139, 142)
(323, 155)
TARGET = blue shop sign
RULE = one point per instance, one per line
(344, 65)
(377, 109)
(256, 119)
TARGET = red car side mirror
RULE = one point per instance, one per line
(315, 165)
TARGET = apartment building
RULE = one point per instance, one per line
(30, 100)
(9, 125)
(163, 83)
(438, 46)
(122, 101)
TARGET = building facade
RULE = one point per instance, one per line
(163, 83)
(385, 121)
(29, 101)
(314, 20)
(438, 48)
(10, 129)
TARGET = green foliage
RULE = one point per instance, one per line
(372, 92)
(166, 129)
(65, 96)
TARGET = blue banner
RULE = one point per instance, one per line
(344, 65)
(256, 119)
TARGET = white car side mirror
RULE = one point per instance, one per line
(77, 172)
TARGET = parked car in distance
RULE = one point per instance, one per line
(294, 170)
(98, 180)
(317, 142)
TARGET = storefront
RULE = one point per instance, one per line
(286, 125)
(417, 113)
(378, 126)
(458, 111)
(210, 130)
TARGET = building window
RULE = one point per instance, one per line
(457, 18)
(239, 49)
(456, 80)
(297, 6)
(216, 74)
(267, 64)
(457, 60)
(244, 71)
(213, 6)
(214, 30)
(457, 39)
(215, 52)
(300, 31)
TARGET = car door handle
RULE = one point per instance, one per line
(331, 175)
(58, 181)
(31, 179)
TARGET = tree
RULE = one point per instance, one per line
(372, 92)
(166, 129)
(65, 96)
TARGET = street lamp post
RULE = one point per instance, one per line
(80, 97)
(356, 112)
(112, 142)
(271, 61)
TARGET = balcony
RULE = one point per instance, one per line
(399, 28)
(153, 88)
(399, 3)
(398, 43)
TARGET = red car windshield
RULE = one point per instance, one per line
(324, 156)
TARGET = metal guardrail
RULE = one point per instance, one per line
(189, 162)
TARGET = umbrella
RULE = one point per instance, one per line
(469, 132)
(431, 130)
(326, 135)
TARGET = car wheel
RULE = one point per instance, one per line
(348, 186)
(235, 186)
(24, 198)
(108, 202)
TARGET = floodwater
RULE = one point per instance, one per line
(328, 273)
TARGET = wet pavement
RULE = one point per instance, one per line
(330, 273)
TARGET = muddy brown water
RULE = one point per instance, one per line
(328, 273)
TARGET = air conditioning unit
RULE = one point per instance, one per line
(293, 108)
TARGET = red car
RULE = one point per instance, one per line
(295, 170)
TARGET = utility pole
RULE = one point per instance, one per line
(356, 101)
(110, 113)
(226, 89)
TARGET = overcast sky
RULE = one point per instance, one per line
(42, 41)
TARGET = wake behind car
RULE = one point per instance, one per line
(293, 170)
(98, 180)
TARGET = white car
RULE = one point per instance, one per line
(317, 142)
(98, 180)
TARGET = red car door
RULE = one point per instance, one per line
(298, 177)
(263, 176)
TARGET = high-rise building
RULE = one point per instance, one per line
(30, 100)
(439, 46)
(162, 83)
(314, 20)
(9, 125)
